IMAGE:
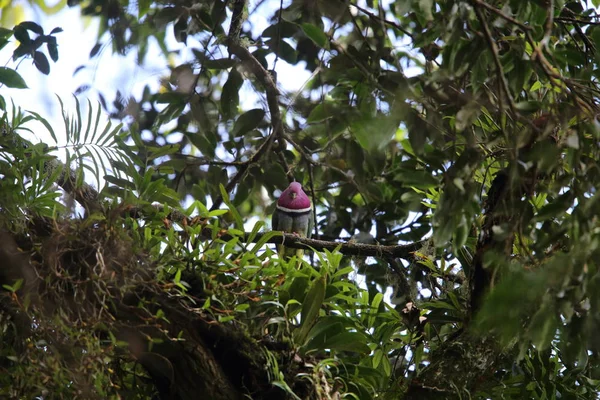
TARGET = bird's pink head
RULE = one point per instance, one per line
(294, 198)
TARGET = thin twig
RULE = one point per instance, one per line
(494, 50)
(265, 78)
(276, 49)
(575, 21)
(549, 23)
(262, 150)
(503, 15)
(385, 21)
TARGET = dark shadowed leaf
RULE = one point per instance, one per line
(230, 97)
(22, 35)
(282, 29)
(53, 51)
(542, 328)
(221, 63)
(41, 62)
(32, 26)
(348, 341)
(284, 49)
(528, 106)
(95, 50)
(180, 29)
(248, 121)
(415, 178)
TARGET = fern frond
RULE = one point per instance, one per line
(91, 145)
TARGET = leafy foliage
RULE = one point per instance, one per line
(466, 129)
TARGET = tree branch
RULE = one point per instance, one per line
(549, 22)
(570, 20)
(347, 248)
(265, 78)
(85, 194)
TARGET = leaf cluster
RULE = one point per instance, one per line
(466, 127)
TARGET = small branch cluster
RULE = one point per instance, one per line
(266, 79)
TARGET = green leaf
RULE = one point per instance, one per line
(374, 133)
(417, 178)
(162, 151)
(5, 33)
(355, 342)
(230, 97)
(122, 183)
(315, 34)
(461, 234)
(15, 287)
(143, 7)
(248, 121)
(374, 308)
(264, 239)
(284, 49)
(425, 8)
(321, 112)
(438, 304)
(556, 208)
(528, 106)
(282, 29)
(47, 124)
(328, 324)
(276, 176)
(3, 43)
(417, 133)
(310, 307)
(543, 326)
(239, 222)
(11, 78)
(466, 116)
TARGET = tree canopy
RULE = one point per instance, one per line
(450, 149)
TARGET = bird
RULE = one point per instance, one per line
(293, 214)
